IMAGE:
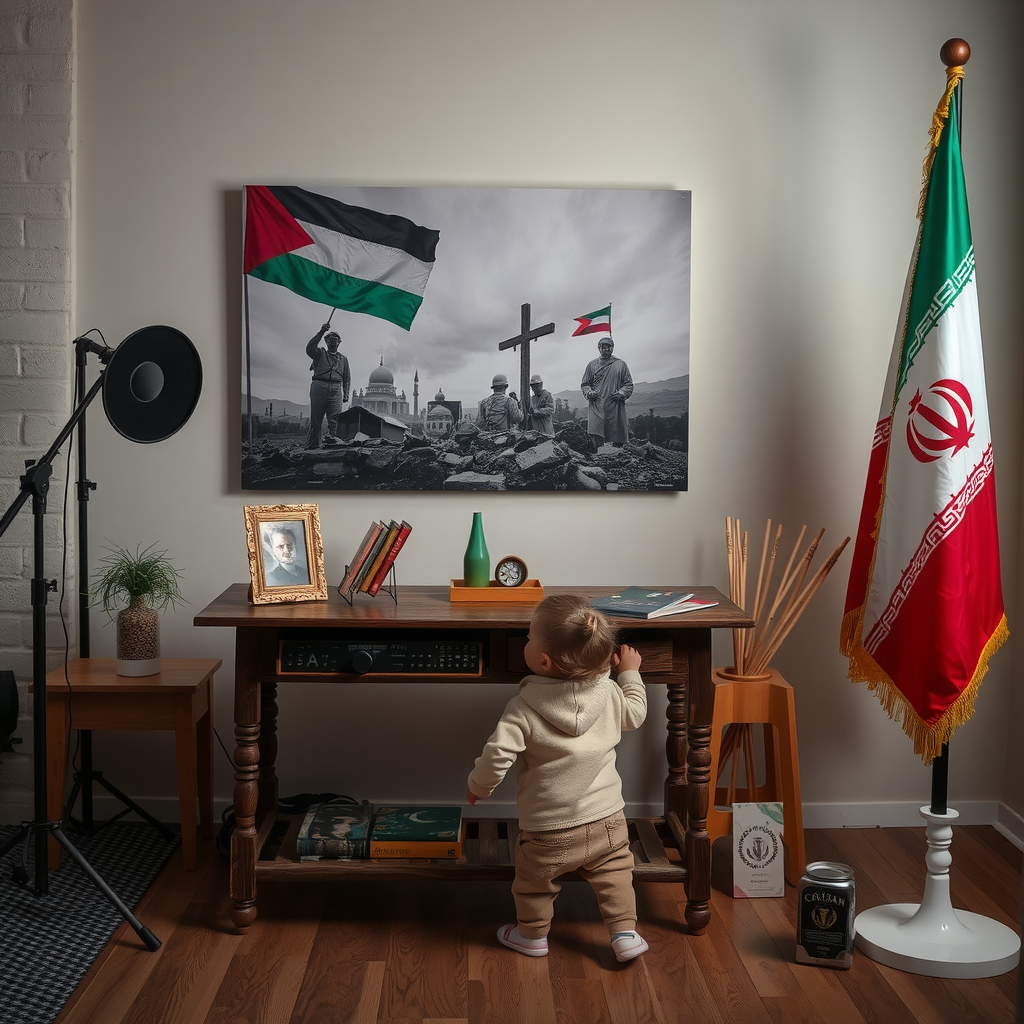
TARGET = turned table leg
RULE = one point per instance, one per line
(700, 699)
(247, 767)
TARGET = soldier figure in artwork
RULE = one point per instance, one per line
(499, 411)
(606, 385)
(329, 389)
(542, 407)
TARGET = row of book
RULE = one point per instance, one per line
(374, 558)
(344, 830)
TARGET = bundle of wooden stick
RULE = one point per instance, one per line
(774, 614)
(753, 648)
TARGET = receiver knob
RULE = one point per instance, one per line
(362, 661)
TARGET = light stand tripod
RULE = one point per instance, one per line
(36, 482)
(84, 778)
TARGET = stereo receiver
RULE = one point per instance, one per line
(380, 657)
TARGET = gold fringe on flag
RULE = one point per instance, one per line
(928, 739)
(954, 75)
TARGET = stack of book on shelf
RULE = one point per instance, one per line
(345, 830)
(417, 832)
(648, 603)
(374, 558)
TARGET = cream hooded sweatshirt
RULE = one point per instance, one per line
(562, 734)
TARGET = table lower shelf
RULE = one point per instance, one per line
(488, 852)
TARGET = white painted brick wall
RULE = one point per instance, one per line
(36, 361)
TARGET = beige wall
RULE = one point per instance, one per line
(800, 129)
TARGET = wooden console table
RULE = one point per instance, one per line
(676, 652)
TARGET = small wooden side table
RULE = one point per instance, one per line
(179, 698)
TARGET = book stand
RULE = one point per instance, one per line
(389, 587)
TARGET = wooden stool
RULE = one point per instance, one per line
(739, 703)
(179, 697)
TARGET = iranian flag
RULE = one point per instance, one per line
(341, 255)
(598, 322)
(924, 607)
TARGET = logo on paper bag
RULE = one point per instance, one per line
(758, 846)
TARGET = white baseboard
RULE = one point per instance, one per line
(1011, 825)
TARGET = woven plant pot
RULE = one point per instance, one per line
(138, 639)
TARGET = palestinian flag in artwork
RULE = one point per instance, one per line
(341, 255)
(598, 322)
(924, 607)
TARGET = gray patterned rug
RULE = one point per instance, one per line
(48, 943)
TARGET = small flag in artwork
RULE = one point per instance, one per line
(598, 322)
(341, 255)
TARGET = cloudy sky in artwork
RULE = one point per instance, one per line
(566, 252)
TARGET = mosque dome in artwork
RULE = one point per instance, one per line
(439, 421)
(381, 396)
(382, 376)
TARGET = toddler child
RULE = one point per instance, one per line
(561, 731)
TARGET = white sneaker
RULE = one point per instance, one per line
(628, 946)
(508, 935)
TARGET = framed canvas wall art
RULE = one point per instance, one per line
(465, 339)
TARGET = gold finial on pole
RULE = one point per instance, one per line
(955, 53)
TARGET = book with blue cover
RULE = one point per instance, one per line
(648, 602)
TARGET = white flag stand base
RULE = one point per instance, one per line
(932, 938)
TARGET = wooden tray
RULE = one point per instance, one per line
(529, 592)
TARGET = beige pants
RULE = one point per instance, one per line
(598, 851)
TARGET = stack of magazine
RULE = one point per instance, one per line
(374, 558)
(345, 830)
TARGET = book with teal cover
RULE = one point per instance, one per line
(412, 831)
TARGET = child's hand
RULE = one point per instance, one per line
(471, 796)
(626, 659)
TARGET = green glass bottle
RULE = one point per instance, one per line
(476, 565)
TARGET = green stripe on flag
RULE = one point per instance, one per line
(321, 284)
(945, 255)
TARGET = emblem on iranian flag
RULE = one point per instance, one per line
(941, 422)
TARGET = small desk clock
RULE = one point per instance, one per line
(510, 571)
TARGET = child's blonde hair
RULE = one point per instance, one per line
(577, 638)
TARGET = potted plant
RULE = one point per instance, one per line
(146, 582)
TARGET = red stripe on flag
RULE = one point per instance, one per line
(270, 229)
(955, 607)
(864, 547)
(590, 328)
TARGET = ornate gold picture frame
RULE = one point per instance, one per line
(286, 553)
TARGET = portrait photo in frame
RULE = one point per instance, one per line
(286, 553)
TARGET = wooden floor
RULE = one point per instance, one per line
(425, 952)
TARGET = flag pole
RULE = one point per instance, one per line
(931, 938)
(248, 366)
(940, 778)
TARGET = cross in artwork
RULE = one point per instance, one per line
(525, 336)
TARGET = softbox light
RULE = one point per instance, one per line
(152, 384)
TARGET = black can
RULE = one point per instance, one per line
(824, 931)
